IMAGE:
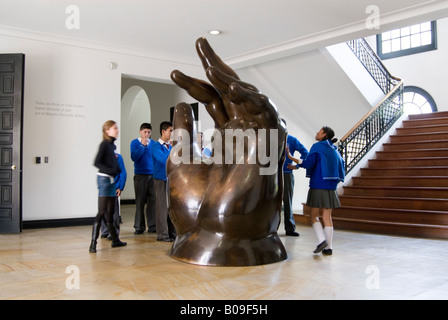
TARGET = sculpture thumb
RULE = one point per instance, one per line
(184, 135)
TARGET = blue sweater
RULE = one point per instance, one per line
(120, 179)
(294, 145)
(160, 155)
(141, 155)
(324, 166)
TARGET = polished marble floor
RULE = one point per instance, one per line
(55, 264)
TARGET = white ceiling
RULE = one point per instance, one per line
(252, 31)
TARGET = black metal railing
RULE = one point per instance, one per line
(373, 64)
(367, 132)
(355, 144)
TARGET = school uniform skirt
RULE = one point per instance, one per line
(106, 186)
(322, 198)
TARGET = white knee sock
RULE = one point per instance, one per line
(319, 231)
(329, 237)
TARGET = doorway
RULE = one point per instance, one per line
(135, 109)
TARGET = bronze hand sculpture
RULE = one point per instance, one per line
(226, 211)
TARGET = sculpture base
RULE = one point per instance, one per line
(208, 249)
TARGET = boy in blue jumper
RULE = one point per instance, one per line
(293, 145)
(143, 180)
(160, 152)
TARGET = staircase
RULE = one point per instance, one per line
(404, 190)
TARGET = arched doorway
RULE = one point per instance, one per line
(135, 109)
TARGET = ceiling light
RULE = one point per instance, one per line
(215, 32)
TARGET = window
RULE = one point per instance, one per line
(416, 101)
(408, 40)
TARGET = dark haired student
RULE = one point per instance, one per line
(325, 168)
(143, 180)
(160, 152)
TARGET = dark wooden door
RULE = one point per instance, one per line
(11, 110)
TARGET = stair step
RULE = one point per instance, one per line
(402, 229)
(419, 153)
(417, 137)
(408, 162)
(405, 171)
(424, 122)
(383, 191)
(421, 217)
(401, 181)
(430, 115)
(395, 203)
(423, 129)
(439, 144)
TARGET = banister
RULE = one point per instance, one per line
(397, 87)
(369, 130)
(373, 64)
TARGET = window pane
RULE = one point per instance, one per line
(415, 29)
(415, 40)
(405, 31)
(410, 108)
(395, 33)
(426, 108)
(405, 43)
(426, 26)
(426, 38)
(387, 46)
(408, 97)
(419, 99)
(396, 45)
(386, 35)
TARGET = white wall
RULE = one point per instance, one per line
(427, 70)
(84, 93)
(356, 71)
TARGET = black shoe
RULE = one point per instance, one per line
(92, 247)
(320, 247)
(104, 236)
(118, 243)
(327, 252)
(292, 233)
(166, 240)
(138, 232)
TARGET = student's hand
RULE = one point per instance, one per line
(145, 141)
(226, 212)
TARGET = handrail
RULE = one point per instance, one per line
(397, 87)
(369, 130)
(373, 64)
(361, 139)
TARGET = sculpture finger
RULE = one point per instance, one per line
(210, 58)
(203, 92)
(222, 81)
(185, 147)
(254, 103)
